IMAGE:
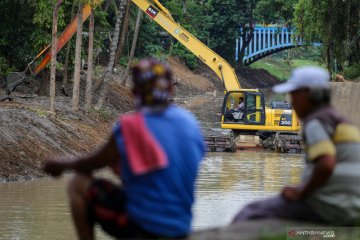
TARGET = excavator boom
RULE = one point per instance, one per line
(221, 67)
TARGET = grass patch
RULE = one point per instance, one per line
(102, 113)
(274, 237)
(40, 112)
(281, 69)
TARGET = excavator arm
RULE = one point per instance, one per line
(163, 17)
(63, 39)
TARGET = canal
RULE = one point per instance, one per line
(38, 209)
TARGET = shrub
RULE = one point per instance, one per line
(353, 71)
(180, 51)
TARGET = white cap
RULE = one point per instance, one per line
(305, 77)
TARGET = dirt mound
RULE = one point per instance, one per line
(189, 83)
(256, 78)
(29, 133)
(184, 76)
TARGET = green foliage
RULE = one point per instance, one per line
(180, 51)
(123, 61)
(16, 27)
(102, 27)
(353, 72)
(225, 21)
(149, 38)
(42, 20)
(5, 69)
(103, 113)
(333, 22)
(153, 50)
(273, 237)
(281, 67)
(275, 11)
(26, 28)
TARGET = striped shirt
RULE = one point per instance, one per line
(327, 132)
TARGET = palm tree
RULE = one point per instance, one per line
(90, 69)
(76, 87)
(123, 33)
(67, 54)
(133, 45)
(53, 55)
(113, 46)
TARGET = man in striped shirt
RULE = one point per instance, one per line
(329, 191)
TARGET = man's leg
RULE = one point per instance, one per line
(77, 191)
(277, 207)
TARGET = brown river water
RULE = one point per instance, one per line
(38, 209)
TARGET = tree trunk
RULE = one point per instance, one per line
(110, 66)
(107, 5)
(90, 60)
(76, 87)
(184, 10)
(133, 45)
(246, 35)
(123, 33)
(67, 54)
(52, 89)
(44, 86)
(329, 47)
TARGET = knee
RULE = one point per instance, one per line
(250, 211)
(79, 183)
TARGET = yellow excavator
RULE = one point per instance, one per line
(254, 116)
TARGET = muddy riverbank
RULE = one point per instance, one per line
(29, 132)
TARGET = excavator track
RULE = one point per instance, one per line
(219, 140)
(282, 142)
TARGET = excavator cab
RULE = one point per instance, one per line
(249, 116)
(255, 116)
(252, 112)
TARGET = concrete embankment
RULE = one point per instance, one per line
(276, 229)
(346, 98)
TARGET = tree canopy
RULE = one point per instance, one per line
(26, 28)
(336, 24)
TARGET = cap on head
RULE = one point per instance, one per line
(305, 77)
(151, 81)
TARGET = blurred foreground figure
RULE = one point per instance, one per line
(155, 151)
(329, 192)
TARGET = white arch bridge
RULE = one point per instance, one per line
(266, 41)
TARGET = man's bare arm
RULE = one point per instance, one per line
(105, 155)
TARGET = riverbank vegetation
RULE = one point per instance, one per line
(281, 64)
(26, 29)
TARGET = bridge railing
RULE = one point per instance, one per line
(265, 41)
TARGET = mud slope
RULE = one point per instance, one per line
(27, 135)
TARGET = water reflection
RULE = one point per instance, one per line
(39, 210)
(228, 181)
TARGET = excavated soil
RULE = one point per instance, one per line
(29, 132)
